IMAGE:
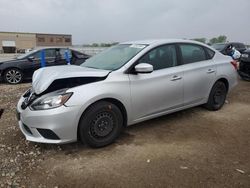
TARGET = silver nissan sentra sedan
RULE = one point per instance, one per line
(125, 84)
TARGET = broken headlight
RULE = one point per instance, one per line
(51, 100)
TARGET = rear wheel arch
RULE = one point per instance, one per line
(225, 81)
(217, 95)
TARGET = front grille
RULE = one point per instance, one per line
(27, 129)
(49, 134)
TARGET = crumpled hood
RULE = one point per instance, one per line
(43, 77)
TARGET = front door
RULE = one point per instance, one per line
(155, 93)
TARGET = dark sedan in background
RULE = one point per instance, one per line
(16, 70)
(244, 69)
(223, 46)
(244, 66)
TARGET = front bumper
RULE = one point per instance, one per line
(56, 126)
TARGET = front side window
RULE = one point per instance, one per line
(36, 55)
(161, 57)
(192, 53)
(115, 57)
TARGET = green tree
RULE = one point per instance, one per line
(219, 39)
(222, 39)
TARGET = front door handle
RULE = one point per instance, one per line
(209, 71)
(174, 78)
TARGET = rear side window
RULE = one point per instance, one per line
(62, 53)
(242, 46)
(192, 53)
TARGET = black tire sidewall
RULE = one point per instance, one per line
(89, 115)
(5, 72)
(211, 103)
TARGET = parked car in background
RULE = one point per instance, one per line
(223, 46)
(14, 71)
(123, 85)
(244, 68)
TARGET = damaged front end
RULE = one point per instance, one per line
(55, 95)
(50, 85)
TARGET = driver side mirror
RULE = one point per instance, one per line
(144, 68)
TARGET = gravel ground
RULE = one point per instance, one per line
(191, 148)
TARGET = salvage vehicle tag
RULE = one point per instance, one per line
(140, 46)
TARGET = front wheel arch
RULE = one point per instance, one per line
(116, 102)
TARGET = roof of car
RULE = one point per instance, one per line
(160, 41)
(52, 47)
(157, 42)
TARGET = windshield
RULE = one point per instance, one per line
(219, 46)
(23, 56)
(113, 58)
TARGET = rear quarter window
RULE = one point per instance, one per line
(210, 53)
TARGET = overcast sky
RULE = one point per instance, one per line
(120, 20)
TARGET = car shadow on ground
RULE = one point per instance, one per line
(130, 135)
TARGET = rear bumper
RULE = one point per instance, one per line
(244, 75)
(244, 69)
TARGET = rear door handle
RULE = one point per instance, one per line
(209, 71)
(174, 78)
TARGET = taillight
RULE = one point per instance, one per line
(235, 64)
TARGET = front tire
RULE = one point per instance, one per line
(13, 76)
(217, 96)
(101, 124)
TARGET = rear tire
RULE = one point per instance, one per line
(13, 76)
(100, 125)
(217, 96)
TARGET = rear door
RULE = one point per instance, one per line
(199, 72)
(61, 58)
(50, 56)
(155, 93)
